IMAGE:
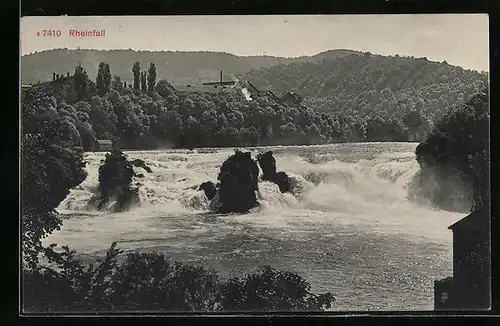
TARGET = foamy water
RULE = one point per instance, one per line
(347, 227)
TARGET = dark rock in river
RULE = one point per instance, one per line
(283, 182)
(268, 165)
(209, 189)
(141, 164)
(115, 179)
(238, 178)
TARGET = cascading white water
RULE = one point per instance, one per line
(347, 226)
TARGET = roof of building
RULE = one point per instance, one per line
(61, 79)
(269, 93)
(260, 90)
(291, 94)
(232, 82)
(199, 88)
(52, 83)
(478, 220)
(104, 141)
(266, 91)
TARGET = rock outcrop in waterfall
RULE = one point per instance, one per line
(237, 186)
(267, 163)
(141, 164)
(238, 182)
(209, 189)
(115, 184)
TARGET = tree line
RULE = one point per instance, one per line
(154, 115)
(82, 89)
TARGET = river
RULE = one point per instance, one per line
(347, 227)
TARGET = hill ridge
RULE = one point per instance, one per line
(373, 85)
(175, 66)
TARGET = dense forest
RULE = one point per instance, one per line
(376, 87)
(354, 98)
(176, 67)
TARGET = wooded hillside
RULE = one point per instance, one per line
(374, 85)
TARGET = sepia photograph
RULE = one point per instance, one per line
(254, 163)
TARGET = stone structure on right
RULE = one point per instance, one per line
(470, 286)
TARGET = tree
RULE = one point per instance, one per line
(288, 132)
(151, 78)
(172, 123)
(458, 149)
(396, 131)
(107, 78)
(376, 129)
(81, 83)
(147, 282)
(193, 133)
(131, 123)
(144, 81)
(52, 163)
(103, 118)
(164, 88)
(250, 136)
(136, 69)
(209, 121)
(100, 80)
(414, 121)
(228, 136)
(117, 83)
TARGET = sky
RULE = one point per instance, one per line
(460, 39)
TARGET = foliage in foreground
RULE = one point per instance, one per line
(455, 158)
(51, 164)
(153, 282)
